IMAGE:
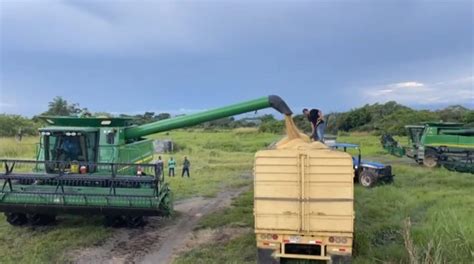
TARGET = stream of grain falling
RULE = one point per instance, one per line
(291, 130)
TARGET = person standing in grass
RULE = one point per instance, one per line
(186, 165)
(171, 166)
(159, 167)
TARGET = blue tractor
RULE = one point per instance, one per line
(367, 173)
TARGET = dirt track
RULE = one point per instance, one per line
(160, 239)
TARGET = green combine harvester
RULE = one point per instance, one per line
(433, 144)
(95, 165)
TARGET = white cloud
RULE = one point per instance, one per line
(454, 91)
(407, 85)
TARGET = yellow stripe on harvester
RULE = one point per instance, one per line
(450, 145)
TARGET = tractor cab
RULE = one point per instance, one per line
(367, 173)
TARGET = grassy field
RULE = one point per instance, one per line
(432, 208)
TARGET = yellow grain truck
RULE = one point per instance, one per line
(304, 195)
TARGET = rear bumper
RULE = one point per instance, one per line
(268, 256)
(294, 256)
(273, 248)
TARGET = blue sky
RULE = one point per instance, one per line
(183, 56)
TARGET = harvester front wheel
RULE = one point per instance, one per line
(41, 219)
(367, 178)
(114, 221)
(16, 219)
(135, 221)
(430, 161)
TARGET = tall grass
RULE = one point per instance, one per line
(11, 148)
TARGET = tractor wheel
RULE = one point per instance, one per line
(114, 221)
(41, 219)
(16, 219)
(135, 221)
(367, 179)
(430, 161)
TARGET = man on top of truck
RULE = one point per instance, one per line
(315, 117)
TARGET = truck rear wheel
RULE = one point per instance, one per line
(16, 219)
(341, 259)
(264, 256)
(367, 179)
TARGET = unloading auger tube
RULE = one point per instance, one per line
(273, 101)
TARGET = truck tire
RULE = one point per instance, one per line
(341, 259)
(367, 178)
(264, 256)
(16, 219)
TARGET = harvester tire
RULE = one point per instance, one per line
(430, 161)
(41, 219)
(114, 221)
(367, 178)
(16, 219)
(135, 221)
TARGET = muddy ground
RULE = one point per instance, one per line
(163, 238)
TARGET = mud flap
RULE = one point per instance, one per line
(341, 259)
(264, 256)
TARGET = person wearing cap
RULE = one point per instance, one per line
(315, 117)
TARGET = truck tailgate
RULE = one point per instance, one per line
(303, 191)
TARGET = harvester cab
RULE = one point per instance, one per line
(95, 165)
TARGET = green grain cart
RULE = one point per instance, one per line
(432, 144)
(95, 165)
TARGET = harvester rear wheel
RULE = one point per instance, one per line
(367, 178)
(41, 219)
(16, 219)
(135, 221)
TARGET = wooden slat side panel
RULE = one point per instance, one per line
(328, 189)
